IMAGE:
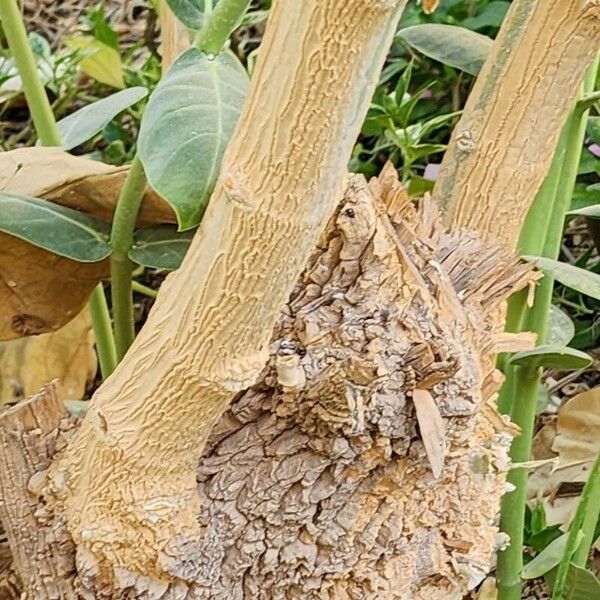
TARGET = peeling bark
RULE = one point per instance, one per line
(42, 551)
(316, 483)
(314, 479)
(502, 147)
(128, 481)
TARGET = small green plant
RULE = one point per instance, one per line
(185, 127)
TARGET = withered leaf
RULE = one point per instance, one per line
(39, 291)
(432, 428)
(430, 6)
(66, 355)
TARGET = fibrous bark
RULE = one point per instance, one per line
(502, 147)
(316, 482)
(128, 481)
(30, 435)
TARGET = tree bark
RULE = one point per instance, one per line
(128, 481)
(305, 365)
(502, 147)
(42, 551)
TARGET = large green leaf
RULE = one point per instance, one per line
(83, 124)
(189, 12)
(591, 212)
(161, 247)
(547, 559)
(561, 329)
(186, 127)
(454, 46)
(581, 584)
(552, 357)
(578, 279)
(60, 230)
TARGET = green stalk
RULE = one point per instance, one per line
(121, 268)
(47, 130)
(584, 524)
(218, 24)
(542, 236)
(510, 561)
(140, 288)
(105, 341)
(37, 100)
(217, 27)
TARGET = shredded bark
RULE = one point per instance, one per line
(316, 484)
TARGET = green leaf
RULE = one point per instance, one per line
(491, 15)
(547, 559)
(561, 329)
(161, 247)
(591, 212)
(552, 357)
(85, 123)
(60, 230)
(578, 279)
(100, 61)
(581, 584)
(189, 12)
(186, 127)
(457, 47)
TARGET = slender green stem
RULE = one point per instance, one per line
(121, 268)
(510, 561)
(541, 235)
(105, 341)
(47, 130)
(218, 26)
(584, 524)
(140, 288)
(37, 100)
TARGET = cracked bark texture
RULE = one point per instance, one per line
(42, 552)
(315, 483)
(128, 481)
(502, 147)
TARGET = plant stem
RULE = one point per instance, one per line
(140, 288)
(37, 100)
(584, 524)
(541, 235)
(105, 341)
(510, 561)
(47, 130)
(219, 24)
(121, 268)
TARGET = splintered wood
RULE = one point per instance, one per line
(368, 462)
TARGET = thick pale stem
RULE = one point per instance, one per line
(504, 143)
(174, 36)
(131, 472)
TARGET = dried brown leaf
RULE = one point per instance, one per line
(433, 432)
(66, 355)
(39, 291)
(430, 6)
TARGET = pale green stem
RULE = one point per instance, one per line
(47, 130)
(121, 267)
(140, 288)
(105, 341)
(37, 100)
(217, 27)
(584, 524)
